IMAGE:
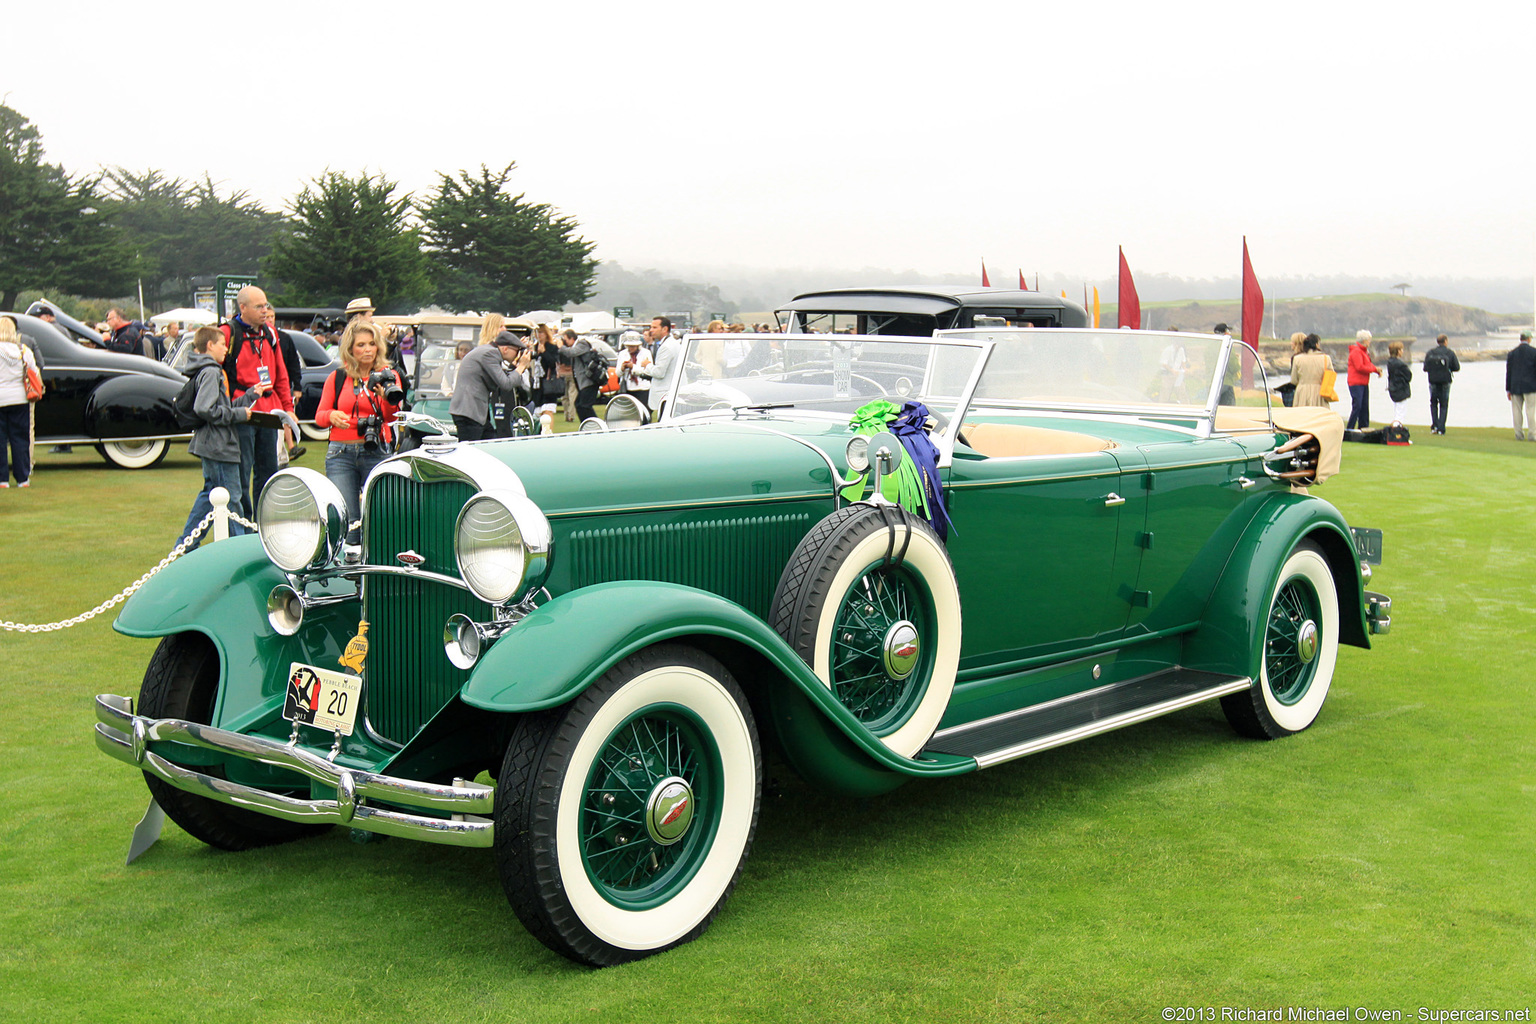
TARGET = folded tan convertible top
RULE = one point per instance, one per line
(1322, 423)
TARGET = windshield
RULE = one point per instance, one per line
(436, 370)
(822, 373)
(1136, 371)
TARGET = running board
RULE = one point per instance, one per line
(1006, 737)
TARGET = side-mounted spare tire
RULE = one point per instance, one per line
(869, 600)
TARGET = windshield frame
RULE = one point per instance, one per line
(1205, 415)
(949, 424)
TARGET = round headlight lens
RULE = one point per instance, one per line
(502, 546)
(858, 453)
(301, 518)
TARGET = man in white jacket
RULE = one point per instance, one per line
(669, 360)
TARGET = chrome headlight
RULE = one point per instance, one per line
(502, 544)
(624, 412)
(302, 520)
(857, 452)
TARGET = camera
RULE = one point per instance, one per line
(368, 427)
(386, 379)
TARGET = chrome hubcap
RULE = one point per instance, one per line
(901, 649)
(669, 810)
(1306, 641)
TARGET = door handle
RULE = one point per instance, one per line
(1244, 482)
(1111, 499)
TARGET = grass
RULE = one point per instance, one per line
(1381, 859)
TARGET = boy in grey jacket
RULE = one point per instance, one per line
(214, 441)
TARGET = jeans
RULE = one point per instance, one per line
(258, 461)
(1439, 405)
(347, 466)
(1360, 407)
(15, 434)
(215, 474)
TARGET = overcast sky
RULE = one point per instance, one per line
(1340, 137)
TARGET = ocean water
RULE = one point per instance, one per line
(1477, 398)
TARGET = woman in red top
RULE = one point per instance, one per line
(1359, 379)
(360, 417)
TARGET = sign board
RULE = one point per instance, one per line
(717, 316)
(624, 312)
(205, 298)
(227, 286)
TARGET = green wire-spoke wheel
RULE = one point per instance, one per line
(869, 600)
(623, 819)
(1290, 648)
(1300, 645)
(879, 661)
(652, 802)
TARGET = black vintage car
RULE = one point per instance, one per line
(119, 403)
(919, 311)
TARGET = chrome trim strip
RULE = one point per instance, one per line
(357, 572)
(1110, 724)
(124, 736)
(113, 440)
(749, 499)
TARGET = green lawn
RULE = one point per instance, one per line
(1384, 859)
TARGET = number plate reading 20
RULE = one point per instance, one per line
(322, 698)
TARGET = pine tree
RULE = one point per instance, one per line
(492, 250)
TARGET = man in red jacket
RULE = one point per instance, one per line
(1359, 379)
(254, 358)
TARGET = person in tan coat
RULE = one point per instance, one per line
(1307, 372)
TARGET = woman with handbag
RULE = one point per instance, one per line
(20, 385)
(1308, 369)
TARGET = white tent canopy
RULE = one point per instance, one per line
(601, 321)
(196, 317)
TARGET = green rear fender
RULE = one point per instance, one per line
(1228, 639)
(563, 647)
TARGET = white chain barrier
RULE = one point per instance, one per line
(219, 518)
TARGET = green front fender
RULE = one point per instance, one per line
(1231, 630)
(220, 590)
(560, 649)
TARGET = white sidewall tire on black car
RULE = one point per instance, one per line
(855, 539)
(133, 454)
(1275, 707)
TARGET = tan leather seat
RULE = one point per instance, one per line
(1009, 440)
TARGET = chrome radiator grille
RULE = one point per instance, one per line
(409, 677)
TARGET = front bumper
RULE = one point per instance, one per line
(1378, 612)
(468, 805)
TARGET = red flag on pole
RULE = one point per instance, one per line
(985, 283)
(1253, 302)
(1129, 312)
(1253, 315)
(1023, 287)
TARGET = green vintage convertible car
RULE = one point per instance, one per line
(575, 649)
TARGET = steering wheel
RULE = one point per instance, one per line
(941, 422)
